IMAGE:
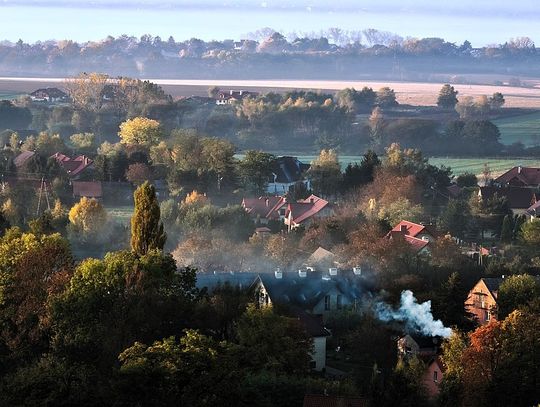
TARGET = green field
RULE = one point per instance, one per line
(9, 95)
(120, 214)
(524, 128)
(458, 165)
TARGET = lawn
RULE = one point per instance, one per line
(120, 214)
(524, 128)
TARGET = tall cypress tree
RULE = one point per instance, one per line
(146, 228)
(507, 229)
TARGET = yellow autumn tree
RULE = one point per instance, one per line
(196, 198)
(88, 217)
(140, 131)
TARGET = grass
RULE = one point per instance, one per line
(524, 129)
(120, 214)
(7, 95)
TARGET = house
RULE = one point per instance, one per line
(23, 158)
(87, 189)
(519, 176)
(73, 166)
(232, 96)
(417, 235)
(265, 208)
(418, 345)
(519, 199)
(309, 296)
(286, 172)
(323, 400)
(433, 376)
(321, 259)
(534, 211)
(482, 299)
(305, 211)
(49, 95)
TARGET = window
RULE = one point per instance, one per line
(339, 301)
(435, 376)
(327, 303)
(487, 316)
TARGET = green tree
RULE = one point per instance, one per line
(530, 232)
(325, 173)
(496, 101)
(507, 229)
(516, 291)
(146, 227)
(447, 97)
(467, 179)
(256, 170)
(386, 97)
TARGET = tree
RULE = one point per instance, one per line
(325, 173)
(507, 230)
(84, 142)
(467, 179)
(530, 232)
(514, 292)
(386, 97)
(356, 175)
(86, 90)
(138, 173)
(146, 227)
(447, 97)
(13, 117)
(256, 170)
(496, 101)
(88, 218)
(140, 130)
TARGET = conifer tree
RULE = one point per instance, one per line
(146, 228)
(507, 229)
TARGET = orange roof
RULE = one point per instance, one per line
(409, 228)
(73, 166)
(416, 244)
(264, 207)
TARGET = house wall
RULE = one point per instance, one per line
(481, 303)
(431, 383)
(319, 353)
(320, 307)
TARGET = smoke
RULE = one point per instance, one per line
(417, 317)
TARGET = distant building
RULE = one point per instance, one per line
(418, 345)
(519, 199)
(519, 176)
(286, 172)
(87, 189)
(23, 158)
(49, 95)
(73, 166)
(418, 236)
(433, 376)
(232, 96)
(265, 208)
(305, 211)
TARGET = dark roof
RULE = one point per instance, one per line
(313, 324)
(320, 400)
(493, 283)
(290, 289)
(522, 176)
(517, 198)
(426, 342)
(288, 169)
(49, 93)
(22, 158)
(88, 189)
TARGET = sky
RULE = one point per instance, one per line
(480, 21)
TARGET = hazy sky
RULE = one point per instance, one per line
(480, 21)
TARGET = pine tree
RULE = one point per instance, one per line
(507, 230)
(146, 228)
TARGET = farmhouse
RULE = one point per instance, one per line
(305, 211)
(49, 95)
(519, 199)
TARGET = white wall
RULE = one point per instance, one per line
(319, 352)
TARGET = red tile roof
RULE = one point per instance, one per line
(73, 166)
(88, 189)
(416, 244)
(305, 208)
(409, 231)
(266, 207)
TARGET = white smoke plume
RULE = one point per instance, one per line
(417, 317)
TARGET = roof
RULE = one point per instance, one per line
(22, 158)
(287, 170)
(416, 244)
(414, 229)
(493, 284)
(49, 93)
(534, 210)
(88, 189)
(313, 324)
(73, 166)
(264, 207)
(517, 198)
(320, 255)
(454, 190)
(425, 342)
(305, 208)
(263, 229)
(320, 400)
(291, 289)
(522, 176)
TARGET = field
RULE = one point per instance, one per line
(9, 95)
(120, 214)
(414, 93)
(524, 128)
(458, 165)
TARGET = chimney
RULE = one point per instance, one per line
(302, 273)
(332, 271)
(311, 200)
(519, 169)
(266, 201)
(357, 271)
(403, 228)
(278, 273)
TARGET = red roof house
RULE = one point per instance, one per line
(520, 177)
(306, 210)
(73, 166)
(265, 208)
(417, 235)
